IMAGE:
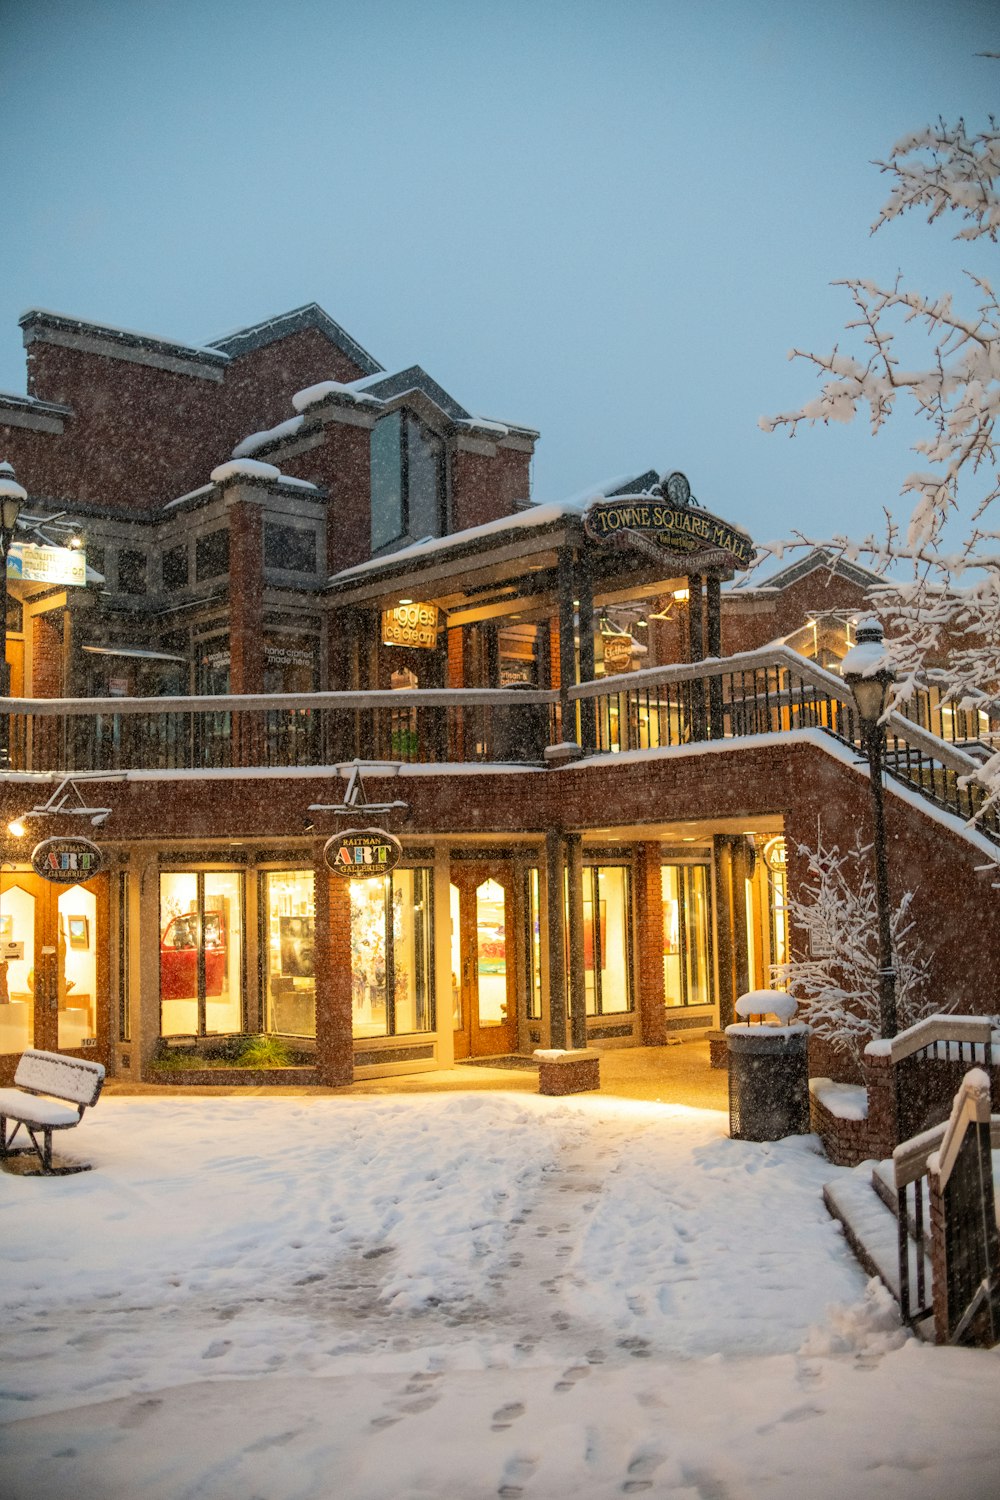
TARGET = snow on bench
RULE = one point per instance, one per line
(50, 1093)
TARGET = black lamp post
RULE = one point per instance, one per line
(12, 497)
(870, 676)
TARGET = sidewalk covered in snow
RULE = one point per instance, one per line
(464, 1294)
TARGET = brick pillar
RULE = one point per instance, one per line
(246, 590)
(334, 1039)
(649, 947)
(47, 654)
(883, 1107)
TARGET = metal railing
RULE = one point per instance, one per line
(772, 691)
(958, 1153)
(281, 730)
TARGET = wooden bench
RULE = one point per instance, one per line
(50, 1093)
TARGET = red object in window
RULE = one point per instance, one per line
(179, 957)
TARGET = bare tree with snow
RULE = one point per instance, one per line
(943, 600)
(835, 978)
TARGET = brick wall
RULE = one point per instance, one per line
(484, 487)
(47, 654)
(140, 436)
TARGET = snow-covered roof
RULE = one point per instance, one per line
(41, 318)
(310, 315)
(816, 559)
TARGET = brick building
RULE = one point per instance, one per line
(298, 562)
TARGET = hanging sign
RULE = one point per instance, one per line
(34, 564)
(67, 861)
(669, 522)
(361, 852)
(617, 652)
(410, 625)
(776, 854)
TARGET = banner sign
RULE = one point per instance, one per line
(684, 530)
(67, 861)
(410, 625)
(361, 852)
(58, 565)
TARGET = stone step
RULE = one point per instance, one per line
(858, 1200)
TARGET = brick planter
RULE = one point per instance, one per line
(846, 1142)
(574, 1072)
(253, 1078)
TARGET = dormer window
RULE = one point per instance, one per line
(407, 481)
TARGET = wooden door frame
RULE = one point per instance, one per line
(471, 1040)
(46, 894)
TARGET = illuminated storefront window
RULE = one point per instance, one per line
(607, 939)
(533, 937)
(687, 952)
(391, 964)
(201, 953)
(76, 973)
(289, 915)
(17, 973)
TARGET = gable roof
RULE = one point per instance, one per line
(817, 558)
(310, 315)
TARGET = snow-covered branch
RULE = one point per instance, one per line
(835, 975)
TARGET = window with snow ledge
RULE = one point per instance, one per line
(407, 481)
(212, 555)
(131, 571)
(291, 548)
(175, 568)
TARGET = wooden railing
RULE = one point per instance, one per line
(949, 1261)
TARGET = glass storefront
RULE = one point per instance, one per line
(607, 939)
(687, 943)
(76, 972)
(533, 944)
(201, 953)
(290, 985)
(391, 954)
(17, 972)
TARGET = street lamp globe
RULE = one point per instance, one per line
(869, 673)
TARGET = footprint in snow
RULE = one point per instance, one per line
(569, 1377)
(640, 1471)
(504, 1416)
(217, 1349)
(515, 1476)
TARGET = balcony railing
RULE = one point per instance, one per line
(773, 691)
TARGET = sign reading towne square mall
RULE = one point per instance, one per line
(67, 861)
(669, 522)
(361, 852)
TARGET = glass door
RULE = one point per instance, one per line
(49, 944)
(484, 977)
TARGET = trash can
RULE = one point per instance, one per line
(521, 730)
(768, 1081)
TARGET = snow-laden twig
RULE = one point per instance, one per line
(834, 970)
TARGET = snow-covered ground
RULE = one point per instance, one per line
(459, 1296)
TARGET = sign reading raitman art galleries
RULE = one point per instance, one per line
(361, 852)
(67, 861)
(669, 522)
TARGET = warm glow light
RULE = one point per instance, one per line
(682, 594)
(406, 601)
(17, 828)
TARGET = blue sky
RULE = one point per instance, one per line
(609, 222)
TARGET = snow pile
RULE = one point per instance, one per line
(847, 1101)
(244, 468)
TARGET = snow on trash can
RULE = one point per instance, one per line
(768, 1068)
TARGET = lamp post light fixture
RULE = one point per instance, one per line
(870, 676)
